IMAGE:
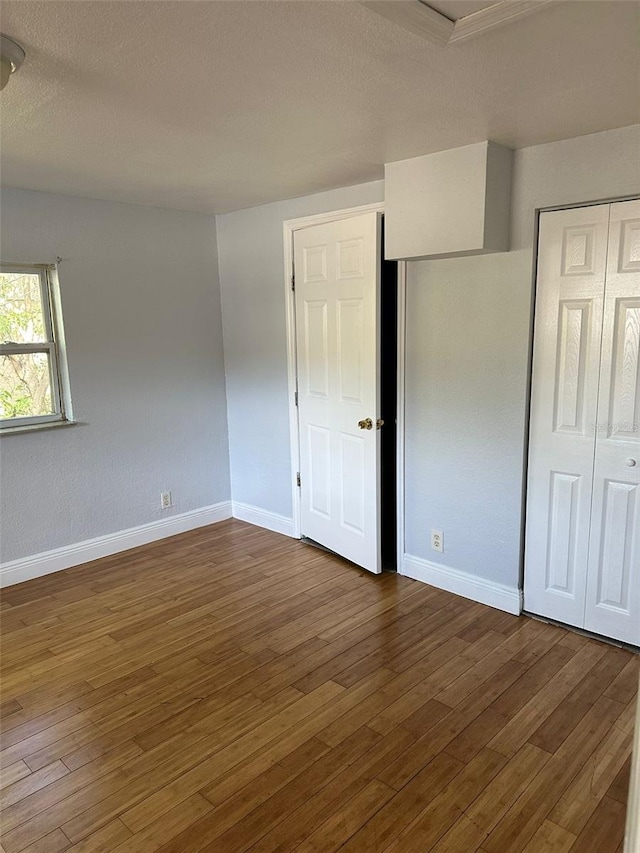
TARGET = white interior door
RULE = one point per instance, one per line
(564, 402)
(337, 279)
(613, 585)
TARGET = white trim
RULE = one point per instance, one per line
(400, 411)
(422, 20)
(415, 17)
(61, 343)
(493, 17)
(292, 374)
(462, 583)
(289, 226)
(13, 430)
(264, 518)
(53, 331)
(58, 559)
(632, 834)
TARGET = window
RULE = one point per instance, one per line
(33, 384)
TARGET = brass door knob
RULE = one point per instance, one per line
(379, 423)
(367, 423)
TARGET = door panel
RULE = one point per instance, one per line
(353, 475)
(573, 345)
(316, 348)
(569, 306)
(318, 474)
(564, 507)
(350, 349)
(613, 589)
(336, 298)
(624, 404)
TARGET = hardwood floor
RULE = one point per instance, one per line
(232, 690)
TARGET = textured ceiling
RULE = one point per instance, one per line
(215, 106)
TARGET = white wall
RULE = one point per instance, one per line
(467, 357)
(467, 363)
(142, 318)
(250, 252)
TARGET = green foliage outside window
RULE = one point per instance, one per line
(25, 384)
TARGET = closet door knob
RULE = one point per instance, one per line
(631, 463)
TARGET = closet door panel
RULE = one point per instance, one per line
(569, 304)
(613, 578)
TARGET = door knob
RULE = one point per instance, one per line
(367, 423)
(631, 463)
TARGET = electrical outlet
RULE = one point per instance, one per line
(165, 500)
(437, 540)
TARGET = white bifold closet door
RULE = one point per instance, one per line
(582, 551)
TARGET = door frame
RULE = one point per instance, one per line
(289, 227)
(529, 390)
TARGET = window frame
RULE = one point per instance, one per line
(53, 346)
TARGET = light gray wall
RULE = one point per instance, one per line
(251, 258)
(467, 363)
(142, 317)
(467, 357)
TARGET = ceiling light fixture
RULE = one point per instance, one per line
(11, 58)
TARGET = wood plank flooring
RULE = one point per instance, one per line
(233, 690)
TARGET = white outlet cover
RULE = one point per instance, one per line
(437, 540)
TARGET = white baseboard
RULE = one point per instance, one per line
(462, 583)
(264, 518)
(104, 546)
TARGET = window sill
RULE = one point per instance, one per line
(37, 427)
